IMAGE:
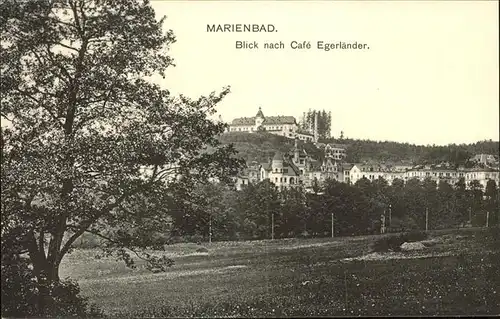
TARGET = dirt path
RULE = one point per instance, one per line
(161, 276)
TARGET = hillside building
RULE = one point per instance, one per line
(286, 126)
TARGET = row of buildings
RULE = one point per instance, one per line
(298, 168)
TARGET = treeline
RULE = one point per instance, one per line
(367, 151)
(355, 209)
(261, 146)
(308, 122)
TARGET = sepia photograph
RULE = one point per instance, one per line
(249, 159)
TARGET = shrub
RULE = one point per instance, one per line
(387, 243)
(21, 294)
(415, 235)
(394, 241)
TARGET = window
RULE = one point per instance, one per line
(285, 170)
(301, 161)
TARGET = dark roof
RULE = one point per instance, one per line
(347, 166)
(266, 166)
(279, 120)
(244, 121)
(270, 120)
(295, 168)
(278, 156)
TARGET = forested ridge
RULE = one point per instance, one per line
(261, 146)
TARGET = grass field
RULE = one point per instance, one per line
(458, 275)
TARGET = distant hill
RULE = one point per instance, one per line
(261, 146)
(373, 151)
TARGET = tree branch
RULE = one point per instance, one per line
(89, 222)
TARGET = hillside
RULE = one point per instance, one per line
(262, 146)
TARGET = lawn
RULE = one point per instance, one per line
(458, 275)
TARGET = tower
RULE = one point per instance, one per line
(259, 118)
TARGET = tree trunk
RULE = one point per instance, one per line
(46, 272)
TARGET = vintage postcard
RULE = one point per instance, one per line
(249, 159)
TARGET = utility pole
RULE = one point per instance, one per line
(426, 219)
(210, 229)
(390, 215)
(272, 226)
(470, 215)
(332, 226)
(487, 218)
(382, 228)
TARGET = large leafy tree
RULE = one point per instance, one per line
(92, 145)
(259, 204)
(492, 205)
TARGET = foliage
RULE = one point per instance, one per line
(261, 146)
(393, 242)
(397, 153)
(258, 146)
(324, 122)
(354, 209)
(92, 144)
(22, 296)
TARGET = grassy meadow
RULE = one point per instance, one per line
(458, 273)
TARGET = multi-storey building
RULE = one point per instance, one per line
(335, 151)
(373, 172)
(281, 171)
(437, 174)
(285, 126)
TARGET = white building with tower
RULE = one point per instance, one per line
(286, 126)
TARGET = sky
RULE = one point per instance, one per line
(430, 75)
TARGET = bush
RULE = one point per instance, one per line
(394, 241)
(415, 235)
(202, 250)
(391, 242)
(21, 294)
(402, 224)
